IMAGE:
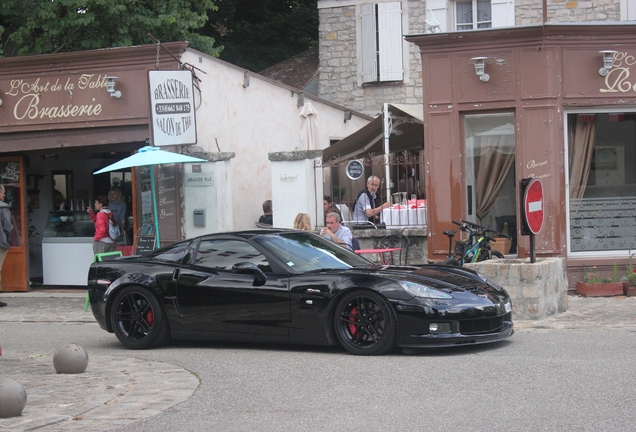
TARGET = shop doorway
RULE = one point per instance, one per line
(490, 173)
(15, 268)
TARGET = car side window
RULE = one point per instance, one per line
(172, 254)
(223, 254)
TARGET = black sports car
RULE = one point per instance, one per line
(289, 286)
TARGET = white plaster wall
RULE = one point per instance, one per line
(215, 198)
(290, 182)
(252, 122)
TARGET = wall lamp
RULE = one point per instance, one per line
(480, 68)
(608, 62)
(110, 87)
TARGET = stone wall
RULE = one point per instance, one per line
(418, 247)
(531, 11)
(338, 78)
(538, 289)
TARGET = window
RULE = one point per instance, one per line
(174, 253)
(382, 42)
(224, 254)
(601, 149)
(472, 14)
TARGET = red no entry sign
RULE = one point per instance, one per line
(533, 200)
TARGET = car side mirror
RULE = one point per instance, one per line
(249, 268)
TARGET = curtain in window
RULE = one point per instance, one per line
(496, 157)
(582, 136)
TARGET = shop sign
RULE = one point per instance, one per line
(354, 169)
(172, 105)
(618, 79)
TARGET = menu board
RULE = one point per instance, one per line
(144, 244)
(168, 202)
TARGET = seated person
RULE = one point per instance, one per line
(368, 207)
(302, 222)
(336, 232)
(329, 207)
(267, 217)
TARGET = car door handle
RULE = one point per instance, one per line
(175, 274)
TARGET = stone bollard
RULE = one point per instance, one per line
(537, 290)
(13, 397)
(70, 359)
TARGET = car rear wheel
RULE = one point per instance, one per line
(365, 324)
(138, 320)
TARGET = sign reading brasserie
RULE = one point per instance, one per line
(172, 104)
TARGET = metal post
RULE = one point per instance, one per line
(387, 133)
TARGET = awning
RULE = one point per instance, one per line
(408, 134)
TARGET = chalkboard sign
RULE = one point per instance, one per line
(144, 244)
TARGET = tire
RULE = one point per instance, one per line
(493, 254)
(365, 323)
(138, 319)
(451, 261)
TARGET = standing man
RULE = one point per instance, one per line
(5, 233)
(336, 232)
(368, 207)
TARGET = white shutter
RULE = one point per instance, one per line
(438, 10)
(390, 41)
(369, 51)
(503, 13)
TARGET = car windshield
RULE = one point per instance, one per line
(304, 252)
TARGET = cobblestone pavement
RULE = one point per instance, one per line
(112, 392)
(116, 391)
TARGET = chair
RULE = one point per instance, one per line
(345, 213)
(347, 219)
(396, 241)
(105, 256)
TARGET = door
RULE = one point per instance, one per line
(15, 269)
(490, 172)
(212, 298)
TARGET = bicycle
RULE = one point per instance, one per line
(476, 248)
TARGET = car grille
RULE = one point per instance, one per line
(483, 325)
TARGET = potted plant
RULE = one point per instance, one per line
(629, 280)
(596, 285)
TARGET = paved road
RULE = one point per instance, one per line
(552, 375)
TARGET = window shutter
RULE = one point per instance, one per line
(369, 52)
(390, 41)
(503, 13)
(438, 9)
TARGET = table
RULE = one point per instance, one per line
(400, 217)
(386, 255)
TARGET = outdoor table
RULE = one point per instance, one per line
(399, 216)
(386, 254)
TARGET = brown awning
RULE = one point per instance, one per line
(408, 134)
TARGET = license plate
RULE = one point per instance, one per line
(508, 307)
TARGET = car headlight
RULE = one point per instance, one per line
(490, 282)
(424, 291)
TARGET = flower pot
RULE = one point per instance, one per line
(629, 291)
(599, 289)
(501, 244)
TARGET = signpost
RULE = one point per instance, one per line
(533, 210)
(354, 169)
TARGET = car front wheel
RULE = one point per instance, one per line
(138, 320)
(365, 324)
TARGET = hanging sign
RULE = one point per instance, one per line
(172, 107)
(354, 169)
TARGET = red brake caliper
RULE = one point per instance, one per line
(353, 327)
(150, 317)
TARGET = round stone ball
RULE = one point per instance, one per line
(13, 398)
(70, 359)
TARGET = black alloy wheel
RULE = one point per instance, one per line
(365, 324)
(138, 320)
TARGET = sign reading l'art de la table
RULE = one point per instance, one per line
(172, 105)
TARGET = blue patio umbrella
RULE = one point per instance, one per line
(149, 156)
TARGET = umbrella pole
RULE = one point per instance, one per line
(154, 203)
